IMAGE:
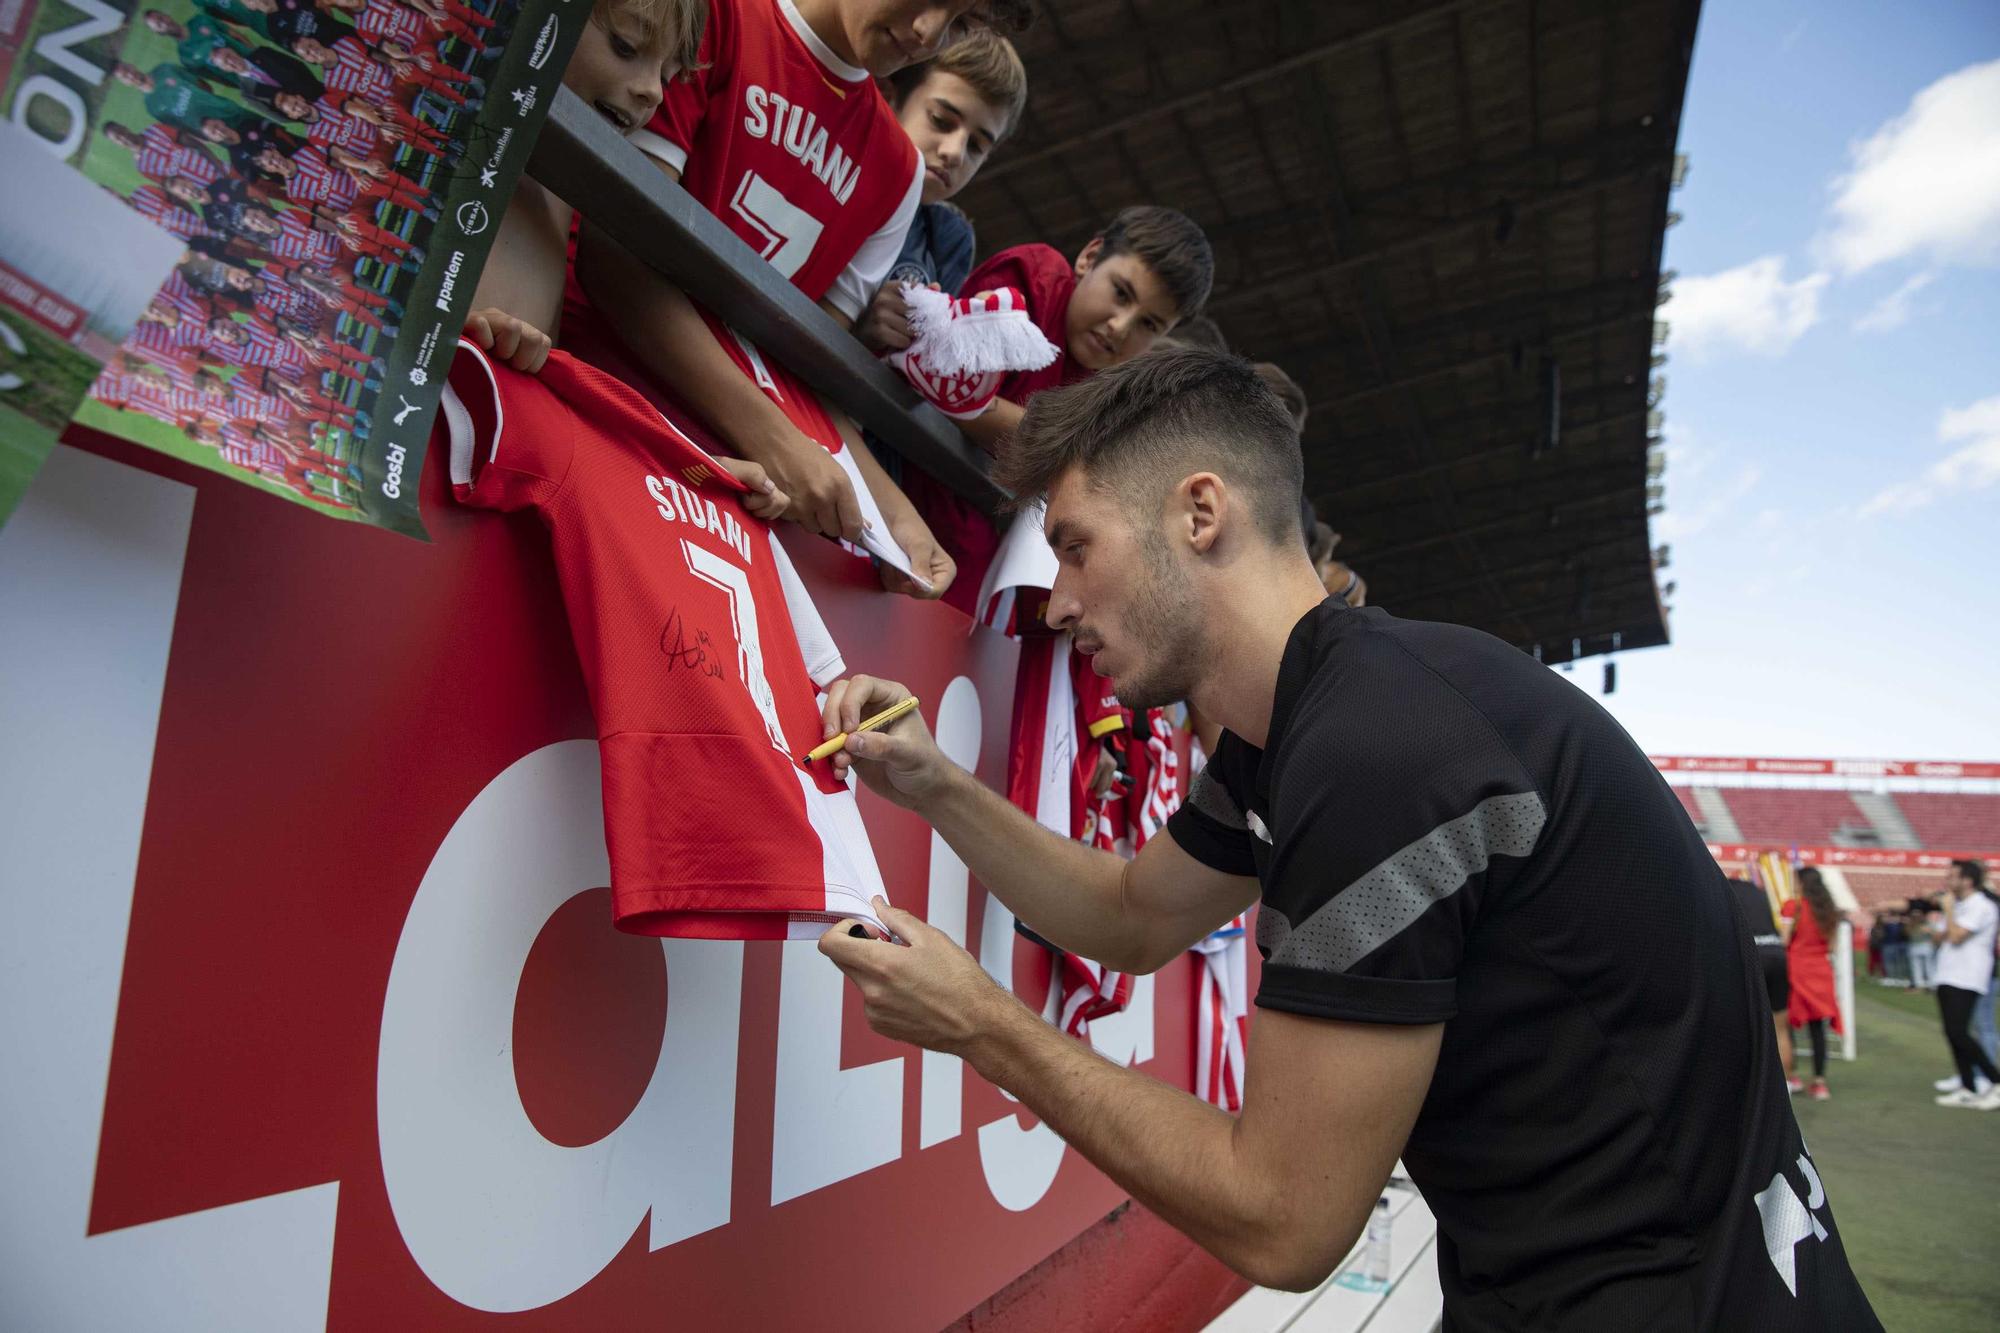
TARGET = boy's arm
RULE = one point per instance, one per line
(659, 323)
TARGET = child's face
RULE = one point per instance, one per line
(617, 70)
(1120, 307)
(954, 129)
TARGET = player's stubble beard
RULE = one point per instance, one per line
(1165, 625)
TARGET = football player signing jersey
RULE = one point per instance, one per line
(700, 648)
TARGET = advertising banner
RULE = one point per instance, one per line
(1846, 768)
(1861, 858)
(331, 171)
(311, 1007)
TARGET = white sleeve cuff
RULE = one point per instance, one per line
(661, 149)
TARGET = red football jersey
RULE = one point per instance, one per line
(792, 147)
(700, 648)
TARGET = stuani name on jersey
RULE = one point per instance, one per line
(772, 116)
(678, 504)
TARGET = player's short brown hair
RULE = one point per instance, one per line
(1169, 243)
(1137, 429)
(1288, 391)
(987, 62)
(683, 21)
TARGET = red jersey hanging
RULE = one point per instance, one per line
(699, 647)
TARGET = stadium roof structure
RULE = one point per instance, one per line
(1430, 215)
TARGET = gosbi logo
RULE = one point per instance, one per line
(545, 44)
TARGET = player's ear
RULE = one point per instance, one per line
(1205, 502)
(1086, 258)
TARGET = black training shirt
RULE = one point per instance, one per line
(1447, 832)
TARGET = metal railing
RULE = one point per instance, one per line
(586, 162)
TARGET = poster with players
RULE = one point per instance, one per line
(332, 172)
(68, 296)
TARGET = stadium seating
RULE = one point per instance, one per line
(1692, 806)
(1875, 890)
(1783, 815)
(1953, 821)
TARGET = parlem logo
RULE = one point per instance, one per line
(545, 44)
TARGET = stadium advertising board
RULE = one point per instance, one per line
(1861, 858)
(330, 174)
(1844, 768)
(310, 1004)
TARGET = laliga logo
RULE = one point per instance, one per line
(545, 44)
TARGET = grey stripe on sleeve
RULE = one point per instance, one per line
(1212, 799)
(1381, 904)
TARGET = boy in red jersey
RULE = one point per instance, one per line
(1148, 269)
(785, 138)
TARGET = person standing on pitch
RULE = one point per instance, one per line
(1964, 976)
(1494, 944)
(1810, 922)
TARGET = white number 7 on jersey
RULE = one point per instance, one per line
(734, 583)
(789, 232)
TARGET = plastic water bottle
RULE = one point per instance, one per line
(1375, 1262)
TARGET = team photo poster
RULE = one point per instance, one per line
(330, 173)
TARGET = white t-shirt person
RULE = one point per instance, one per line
(1969, 963)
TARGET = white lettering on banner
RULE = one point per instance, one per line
(100, 20)
(958, 728)
(90, 575)
(496, 1215)
(392, 477)
(1019, 1164)
(75, 117)
(450, 280)
(827, 1123)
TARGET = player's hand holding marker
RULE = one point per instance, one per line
(898, 760)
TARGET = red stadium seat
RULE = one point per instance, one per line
(1953, 821)
(1784, 815)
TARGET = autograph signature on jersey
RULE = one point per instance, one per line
(682, 651)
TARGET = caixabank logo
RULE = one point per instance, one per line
(311, 1005)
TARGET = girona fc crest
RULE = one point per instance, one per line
(958, 394)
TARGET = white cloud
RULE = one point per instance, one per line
(1685, 520)
(1790, 39)
(1972, 467)
(1928, 182)
(1750, 307)
(1893, 310)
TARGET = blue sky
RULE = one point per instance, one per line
(1833, 392)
